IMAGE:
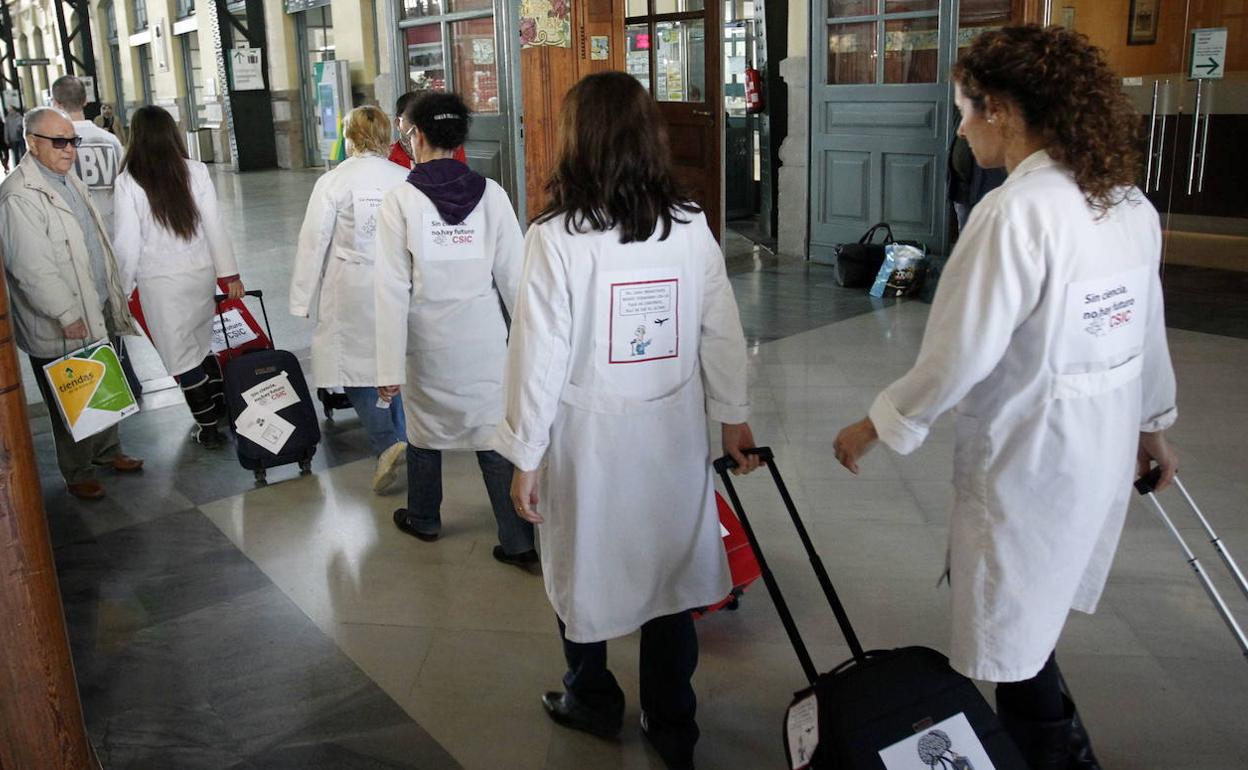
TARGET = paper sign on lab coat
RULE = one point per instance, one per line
(441, 242)
(273, 395)
(1106, 317)
(802, 731)
(645, 320)
(263, 428)
(950, 744)
(366, 205)
(239, 330)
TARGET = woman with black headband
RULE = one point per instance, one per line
(449, 262)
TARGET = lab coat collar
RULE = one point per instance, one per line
(1033, 162)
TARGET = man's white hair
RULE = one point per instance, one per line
(36, 117)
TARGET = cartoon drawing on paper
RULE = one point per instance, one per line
(644, 320)
(947, 745)
(640, 343)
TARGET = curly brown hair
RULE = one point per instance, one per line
(1068, 95)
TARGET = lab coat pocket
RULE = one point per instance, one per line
(612, 403)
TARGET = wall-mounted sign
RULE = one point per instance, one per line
(599, 47)
(295, 6)
(32, 62)
(1208, 60)
(246, 69)
(88, 82)
(545, 22)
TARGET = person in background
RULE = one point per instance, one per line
(99, 156)
(64, 283)
(450, 249)
(1047, 338)
(14, 133)
(91, 111)
(401, 152)
(334, 269)
(108, 121)
(969, 182)
(625, 340)
(172, 244)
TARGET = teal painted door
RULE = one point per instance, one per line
(879, 121)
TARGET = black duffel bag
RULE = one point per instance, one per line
(857, 264)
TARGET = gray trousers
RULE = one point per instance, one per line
(75, 458)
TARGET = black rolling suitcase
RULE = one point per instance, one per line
(883, 710)
(258, 367)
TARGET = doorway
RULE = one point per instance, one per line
(674, 48)
(743, 147)
(315, 30)
(471, 47)
(1193, 115)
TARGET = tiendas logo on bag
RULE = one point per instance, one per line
(91, 391)
(76, 382)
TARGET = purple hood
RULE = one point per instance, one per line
(453, 187)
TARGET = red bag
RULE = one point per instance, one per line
(261, 342)
(741, 561)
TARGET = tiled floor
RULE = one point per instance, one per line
(218, 625)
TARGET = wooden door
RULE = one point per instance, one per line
(673, 47)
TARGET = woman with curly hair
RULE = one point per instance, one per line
(1047, 339)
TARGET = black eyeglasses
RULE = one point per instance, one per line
(59, 142)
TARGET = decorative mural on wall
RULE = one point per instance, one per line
(546, 22)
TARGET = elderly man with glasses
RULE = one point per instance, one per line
(64, 287)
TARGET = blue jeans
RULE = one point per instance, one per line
(385, 427)
(424, 496)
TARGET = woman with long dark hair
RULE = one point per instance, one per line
(1047, 340)
(625, 341)
(171, 242)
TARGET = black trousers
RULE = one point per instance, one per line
(669, 656)
(1038, 699)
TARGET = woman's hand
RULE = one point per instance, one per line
(1155, 449)
(738, 438)
(387, 392)
(524, 496)
(236, 290)
(854, 442)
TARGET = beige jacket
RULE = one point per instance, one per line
(48, 267)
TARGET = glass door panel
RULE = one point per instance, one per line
(681, 61)
(426, 70)
(475, 64)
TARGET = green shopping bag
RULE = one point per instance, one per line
(90, 390)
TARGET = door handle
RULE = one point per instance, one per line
(1204, 143)
(704, 113)
(1161, 139)
(1152, 136)
(1191, 158)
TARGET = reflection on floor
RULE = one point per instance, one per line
(215, 625)
(1206, 300)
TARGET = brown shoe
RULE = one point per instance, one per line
(86, 490)
(124, 464)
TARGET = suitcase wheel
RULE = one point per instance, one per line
(305, 466)
(262, 477)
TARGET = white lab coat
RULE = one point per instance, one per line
(619, 353)
(177, 278)
(440, 329)
(1047, 338)
(334, 269)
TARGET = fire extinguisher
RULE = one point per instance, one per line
(754, 102)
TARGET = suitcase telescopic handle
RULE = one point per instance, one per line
(1147, 486)
(258, 294)
(723, 466)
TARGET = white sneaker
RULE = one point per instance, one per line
(390, 467)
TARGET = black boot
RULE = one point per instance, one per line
(203, 407)
(216, 385)
(1081, 756)
(1045, 745)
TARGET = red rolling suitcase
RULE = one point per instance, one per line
(741, 561)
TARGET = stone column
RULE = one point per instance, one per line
(794, 173)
